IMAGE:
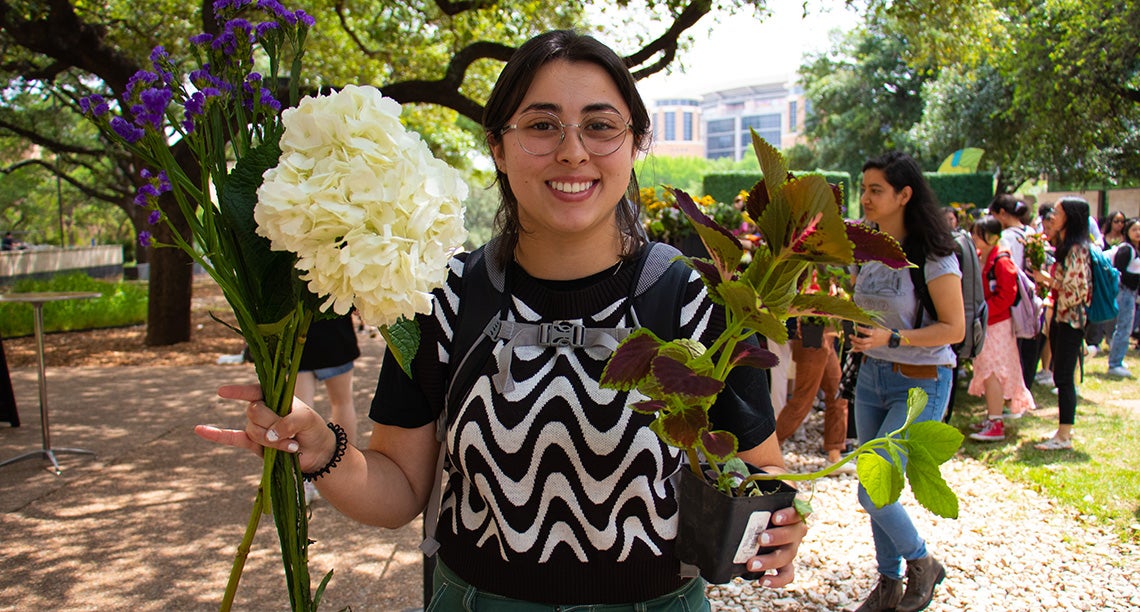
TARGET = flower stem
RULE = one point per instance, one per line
(242, 553)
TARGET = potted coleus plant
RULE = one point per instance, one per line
(799, 221)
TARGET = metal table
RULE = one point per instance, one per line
(37, 300)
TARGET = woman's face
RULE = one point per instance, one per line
(980, 243)
(1059, 219)
(569, 191)
(1117, 224)
(1134, 233)
(880, 200)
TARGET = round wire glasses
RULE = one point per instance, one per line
(540, 133)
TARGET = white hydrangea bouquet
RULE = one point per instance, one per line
(325, 206)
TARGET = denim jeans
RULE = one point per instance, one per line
(1126, 302)
(452, 593)
(880, 408)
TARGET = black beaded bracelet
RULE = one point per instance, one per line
(341, 446)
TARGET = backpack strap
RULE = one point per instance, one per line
(481, 323)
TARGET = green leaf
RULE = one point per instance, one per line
(802, 506)
(781, 288)
(916, 399)
(929, 488)
(403, 338)
(772, 164)
(939, 440)
(630, 363)
(821, 304)
(768, 326)
(881, 480)
(269, 279)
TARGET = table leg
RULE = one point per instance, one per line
(45, 430)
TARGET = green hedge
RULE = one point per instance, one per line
(976, 189)
(122, 303)
(723, 186)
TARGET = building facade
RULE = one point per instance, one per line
(720, 123)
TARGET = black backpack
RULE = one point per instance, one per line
(973, 297)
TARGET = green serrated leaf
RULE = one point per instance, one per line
(938, 439)
(768, 326)
(403, 338)
(821, 304)
(930, 490)
(802, 506)
(876, 476)
(772, 164)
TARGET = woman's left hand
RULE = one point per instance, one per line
(869, 338)
(784, 533)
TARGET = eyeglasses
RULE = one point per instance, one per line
(540, 133)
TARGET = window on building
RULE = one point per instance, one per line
(687, 127)
(767, 126)
(670, 126)
(720, 138)
(793, 118)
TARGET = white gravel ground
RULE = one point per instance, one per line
(1010, 549)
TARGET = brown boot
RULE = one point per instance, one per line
(884, 597)
(922, 575)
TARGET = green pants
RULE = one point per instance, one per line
(452, 594)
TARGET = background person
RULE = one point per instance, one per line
(996, 377)
(1127, 261)
(1070, 285)
(915, 352)
(564, 123)
(1011, 212)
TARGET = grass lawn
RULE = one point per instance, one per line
(1100, 477)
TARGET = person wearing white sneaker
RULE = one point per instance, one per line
(997, 377)
(1070, 285)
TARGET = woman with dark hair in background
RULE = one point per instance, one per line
(1112, 227)
(1126, 259)
(996, 377)
(912, 350)
(1070, 284)
(1011, 212)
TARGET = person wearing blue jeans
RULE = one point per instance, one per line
(881, 396)
(1127, 260)
(922, 315)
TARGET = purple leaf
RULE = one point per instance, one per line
(754, 356)
(678, 378)
(684, 427)
(873, 245)
(719, 446)
(722, 246)
(651, 406)
(630, 363)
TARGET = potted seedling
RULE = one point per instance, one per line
(799, 221)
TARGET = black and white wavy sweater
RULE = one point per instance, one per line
(555, 491)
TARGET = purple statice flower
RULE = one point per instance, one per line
(163, 182)
(268, 100)
(253, 77)
(272, 7)
(94, 104)
(305, 18)
(153, 108)
(146, 192)
(158, 55)
(202, 39)
(146, 173)
(145, 239)
(265, 27)
(143, 78)
(154, 217)
(126, 131)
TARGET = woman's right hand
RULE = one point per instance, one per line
(301, 431)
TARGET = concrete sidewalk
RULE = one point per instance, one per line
(152, 521)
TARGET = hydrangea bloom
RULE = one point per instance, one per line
(371, 214)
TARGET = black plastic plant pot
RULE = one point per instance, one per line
(811, 335)
(719, 533)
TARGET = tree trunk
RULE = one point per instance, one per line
(171, 282)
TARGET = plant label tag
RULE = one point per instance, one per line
(750, 541)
